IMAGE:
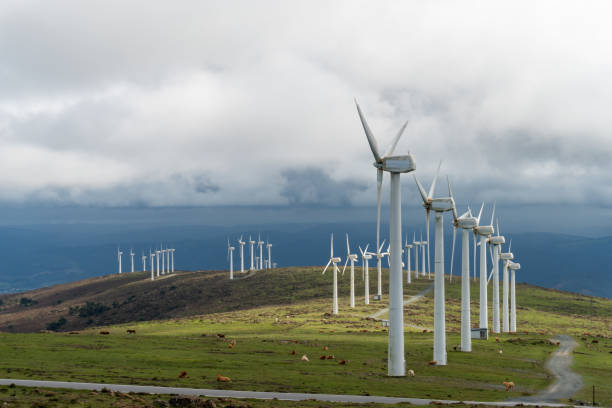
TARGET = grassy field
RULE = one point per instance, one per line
(266, 336)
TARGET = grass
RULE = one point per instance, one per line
(266, 334)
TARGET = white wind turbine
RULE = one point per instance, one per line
(162, 251)
(514, 266)
(417, 247)
(439, 205)
(168, 252)
(395, 165)
(333, 261)
(241, 243)
(485, 231)
(230, 257)
(151, 258)
(352, 258)
(466, 222)
(251, 244)
(119, 253)
(427, 200)
(424, 249)
(157, 255)
(496, 241)
(379, 257)
(132, 258)
(144, 262)
(269, 247)
(260, 244)
(407, 247)
(365, 258)
(506, 257)
(172, 253)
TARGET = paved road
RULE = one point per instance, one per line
(567, 383)
(252, 394)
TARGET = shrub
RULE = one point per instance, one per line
(56, 325)
(24, 301)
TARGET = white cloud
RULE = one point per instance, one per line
(117, 103)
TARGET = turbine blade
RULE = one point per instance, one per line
(395, 140)
(497, 226)
(510, 246)
(345, 262)
(432, 189)
(361, 250)
(331, 244)
(381, 245)
(326, 266)
(480, 212)
(421, 189)
(348, 249)
(369, 134)
(493, 213)
(366, 248)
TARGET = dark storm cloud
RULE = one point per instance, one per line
(312, 186)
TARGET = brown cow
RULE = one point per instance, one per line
(221, 378)
(509, 385)
(104, 332)
(131, 331)
(183, 374)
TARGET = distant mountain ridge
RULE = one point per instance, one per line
(43, 255)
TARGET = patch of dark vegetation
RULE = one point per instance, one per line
(89, 309)
(57, 324)
(24, 301)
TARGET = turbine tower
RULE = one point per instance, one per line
(334, 261)
(151, 258)
(144, 262)
(132, 258)
(163, 260)
(466, 222)
(424, 249)
(439, 206)
(506, 257)
(230, 257)
(157, 254)
(352, 258)
(241, 243)
(252, 243)
(119, 253)
(365, 258)
(172, 253)
(485, 232)
(379, 257)
(514, 266)
(408, 247)
(395, 165)
(269, 246)
(260, 244)
(496, 241)
(417, 247)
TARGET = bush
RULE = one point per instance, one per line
(89, 309)
(56, 325)
(24, 301)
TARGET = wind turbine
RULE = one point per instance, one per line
(172, 253)
(424, 249)
(439, 205)
(269, 246)
(241, 243)
(514, 266)
(485, 231)
(365, 258)
(427, 201)
(496, 241)
(379, 257)
(417, 247)
(151, 257)
(157, 254)
(251, 243)
(260, 244)
(132, 258)
(506, 258)
(230, 257)
(466, 222)
(119, 253)
(168, 252)
(352, 258)
(333, 261)
(395, 165)
(163, 259)
(144, 262)
(408, 247)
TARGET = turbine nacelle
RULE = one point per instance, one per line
(506, 256)
(514, 266)
(497, 240)
(336, 260)
(442, 204)
(484, 230)
(397, 164)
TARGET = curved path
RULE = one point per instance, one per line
(567, 383)
(411, 299)
(252, 394)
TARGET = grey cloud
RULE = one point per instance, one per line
(312, 186)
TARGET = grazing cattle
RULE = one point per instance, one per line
(325, 348)
(432, 363)
(330, 357)
(293, 352)
(509, 385)
(221, 378)
(558, 343)
(231, 345)
(131, 331)
(104, 332)
(221, 336)
(304, 358)
(331, 331)
(411, 373)
(73, 333)
(343, 362)
(595, 341)
(454, 348)
(233, 342)
(424, 330)
(322, 357)
(497, 339)
(183, 374)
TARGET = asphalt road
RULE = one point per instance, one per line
(253, 394)
(567, 383)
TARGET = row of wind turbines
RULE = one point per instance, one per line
(396, 165)
(257, 262)
(161, 261)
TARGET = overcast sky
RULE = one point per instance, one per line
(140, 103)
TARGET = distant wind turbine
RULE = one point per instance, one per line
(496, 241)
(417, 247)
(407, 246)
(352, 258)
(506, 258)
(119, 253)
(230, 257)
(514, 266)
(157, 255)
(485, 232)
(269, 247)
(260, 244)
(151, 258)
(333, 261)
(144, 262)
(241, 243)
(132, 259)
(251, 244)
(365, 258)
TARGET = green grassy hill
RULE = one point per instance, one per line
(273, 313)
